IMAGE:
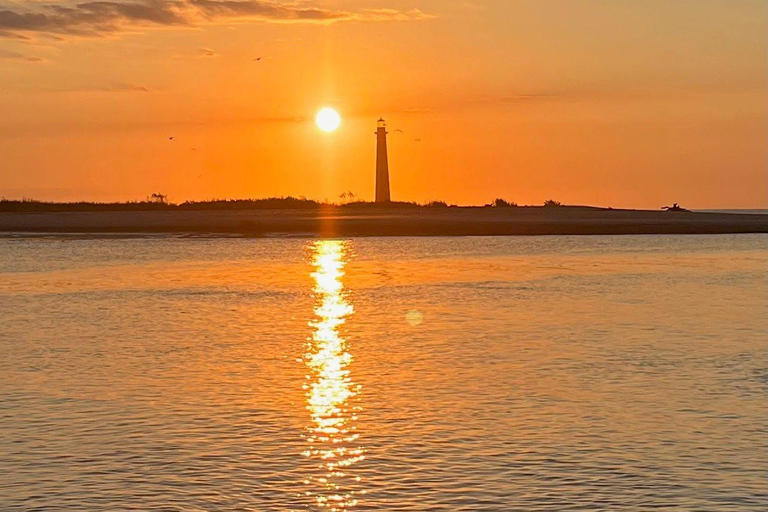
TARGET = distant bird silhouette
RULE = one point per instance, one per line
(416, 140)
(170, 138)
(193, 149)
(399, 130)
(257, 58)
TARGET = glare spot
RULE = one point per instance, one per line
(414, 317)
(330, 389)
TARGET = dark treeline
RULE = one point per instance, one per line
(31, 205)
(270, 203)
(159, 202)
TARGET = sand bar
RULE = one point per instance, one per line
(393, 221)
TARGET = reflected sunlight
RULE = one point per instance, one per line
(331, 436)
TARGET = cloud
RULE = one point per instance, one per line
(101, 18)
(417, 110)
(395, 15)
(512, 98)
(13, 35)
(8, 55)
(267, 10)
(116, 87)
(208, 52)
(527, 97)
(129, 88)
(90, 18)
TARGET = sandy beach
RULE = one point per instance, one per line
(334, 221)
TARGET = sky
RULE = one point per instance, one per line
(604, 102)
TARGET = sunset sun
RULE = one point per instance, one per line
(328, 119)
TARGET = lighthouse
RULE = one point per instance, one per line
(382, 163)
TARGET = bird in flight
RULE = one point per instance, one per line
(170, 138)
(257, 58)
(399, 130)
(416, 140)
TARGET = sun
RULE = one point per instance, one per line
(328, 119)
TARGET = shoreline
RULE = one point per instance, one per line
(386, 221)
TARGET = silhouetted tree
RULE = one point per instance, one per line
(502, 203)
(158, 198)
(552, 202)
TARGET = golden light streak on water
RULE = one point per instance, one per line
(330, 391)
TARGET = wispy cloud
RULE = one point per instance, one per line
(602, 94)
(395, 15)
(417, 110)
(128, 88)
(101, 18)
(514, 98)
(106, 88)
(13, 56)
(13, 35)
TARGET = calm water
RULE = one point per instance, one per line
(539, 373)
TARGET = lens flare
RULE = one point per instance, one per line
(414, 317)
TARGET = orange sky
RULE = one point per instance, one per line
(614, 103)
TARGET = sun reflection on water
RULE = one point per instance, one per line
(330, 391)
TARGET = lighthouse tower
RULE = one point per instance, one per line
(382, 163)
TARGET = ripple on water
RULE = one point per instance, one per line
(558, 373)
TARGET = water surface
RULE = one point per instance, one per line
(529, 373)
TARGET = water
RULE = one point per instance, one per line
(529, 373)
(747, 211)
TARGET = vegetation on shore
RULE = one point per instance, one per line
(160, 202)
